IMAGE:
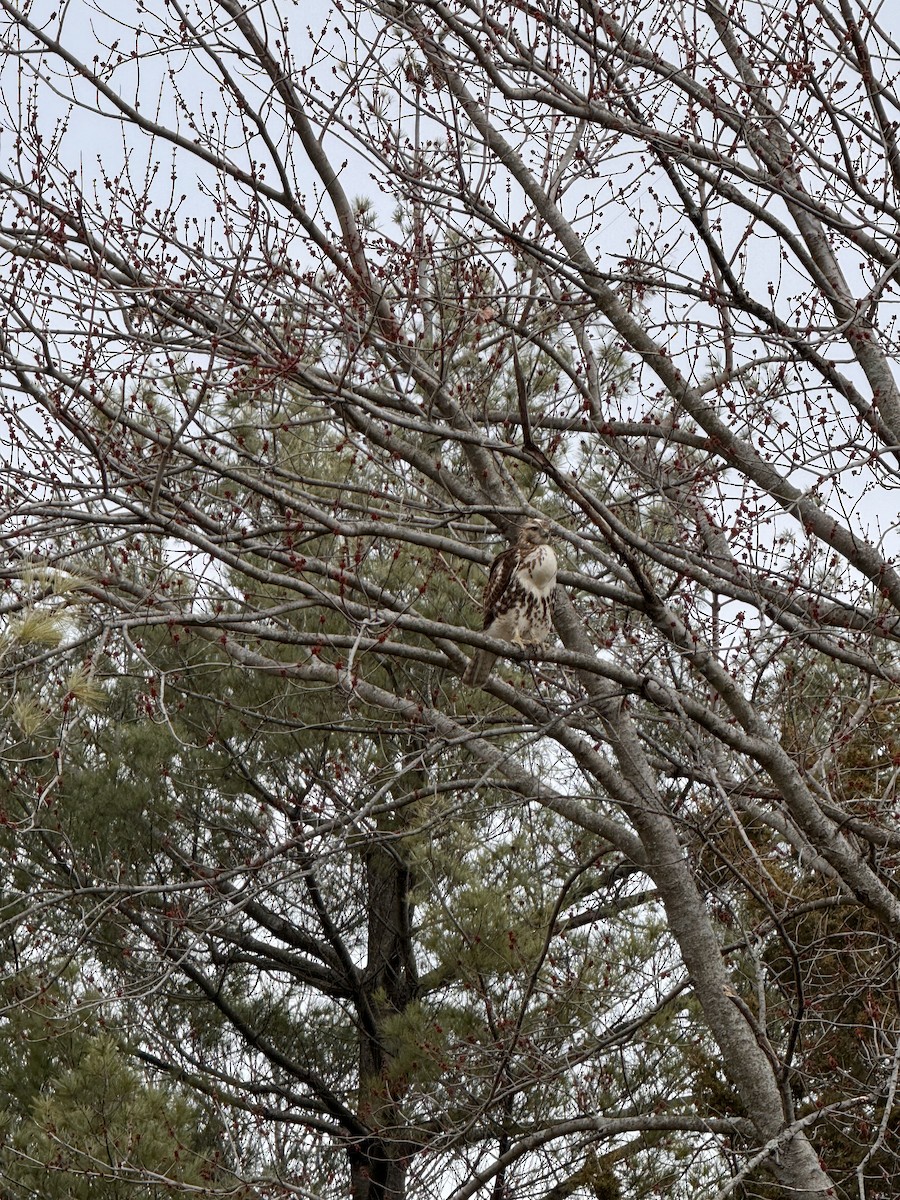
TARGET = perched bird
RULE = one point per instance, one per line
(518, 598)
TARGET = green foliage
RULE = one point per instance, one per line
(78, 1120)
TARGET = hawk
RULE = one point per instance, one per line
(518, 598)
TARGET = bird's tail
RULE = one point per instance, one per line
(476, 673)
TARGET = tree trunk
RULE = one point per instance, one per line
(378, 1168)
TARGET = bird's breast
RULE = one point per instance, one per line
(541, 564)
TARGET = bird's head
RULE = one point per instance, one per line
(535, 532)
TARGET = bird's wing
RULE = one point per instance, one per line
(502, 569)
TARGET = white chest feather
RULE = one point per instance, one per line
(539, 571)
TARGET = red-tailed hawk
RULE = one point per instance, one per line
(518, 598)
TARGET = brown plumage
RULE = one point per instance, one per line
(518, 598)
